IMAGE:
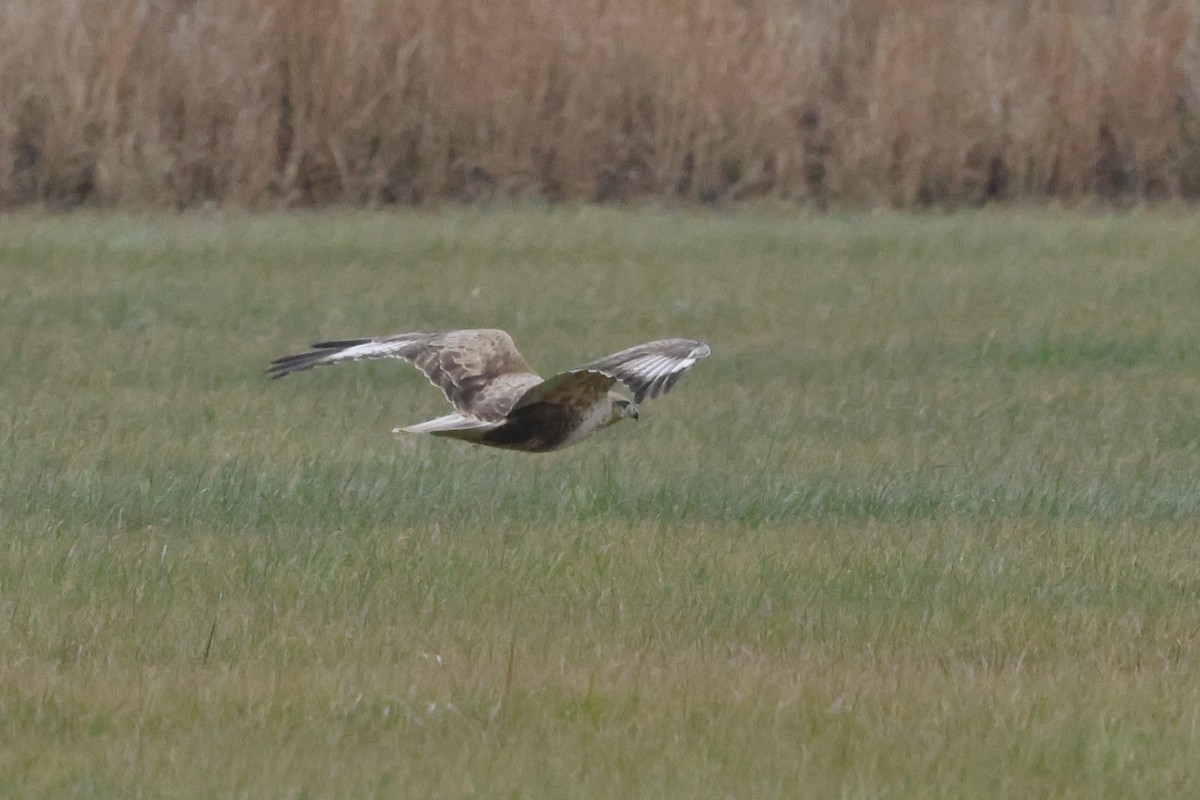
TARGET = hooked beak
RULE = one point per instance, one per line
(633, 412)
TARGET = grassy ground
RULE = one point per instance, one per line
(925, 525)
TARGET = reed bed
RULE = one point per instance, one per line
(266, 103)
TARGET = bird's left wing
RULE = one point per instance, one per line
(651, 368)
(403, 346)
(480, 371)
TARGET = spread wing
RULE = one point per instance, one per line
(480, 371)
(647, 369)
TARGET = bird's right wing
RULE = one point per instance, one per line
(651, 368)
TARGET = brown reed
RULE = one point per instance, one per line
(865, 102)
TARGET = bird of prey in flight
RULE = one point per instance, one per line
(498, 399)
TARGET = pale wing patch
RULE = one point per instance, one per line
(652, 368)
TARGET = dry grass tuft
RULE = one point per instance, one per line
(262, 102)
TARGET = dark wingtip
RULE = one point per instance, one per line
(338, 344)
(286, 365)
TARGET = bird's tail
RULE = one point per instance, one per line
(456, 426)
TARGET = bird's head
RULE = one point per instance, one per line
(623, 407)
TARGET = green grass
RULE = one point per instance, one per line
(926, 524)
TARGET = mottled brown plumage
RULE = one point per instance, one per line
(498, 400)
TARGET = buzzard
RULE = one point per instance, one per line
(499, 400)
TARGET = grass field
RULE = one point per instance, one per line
(926, 524)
